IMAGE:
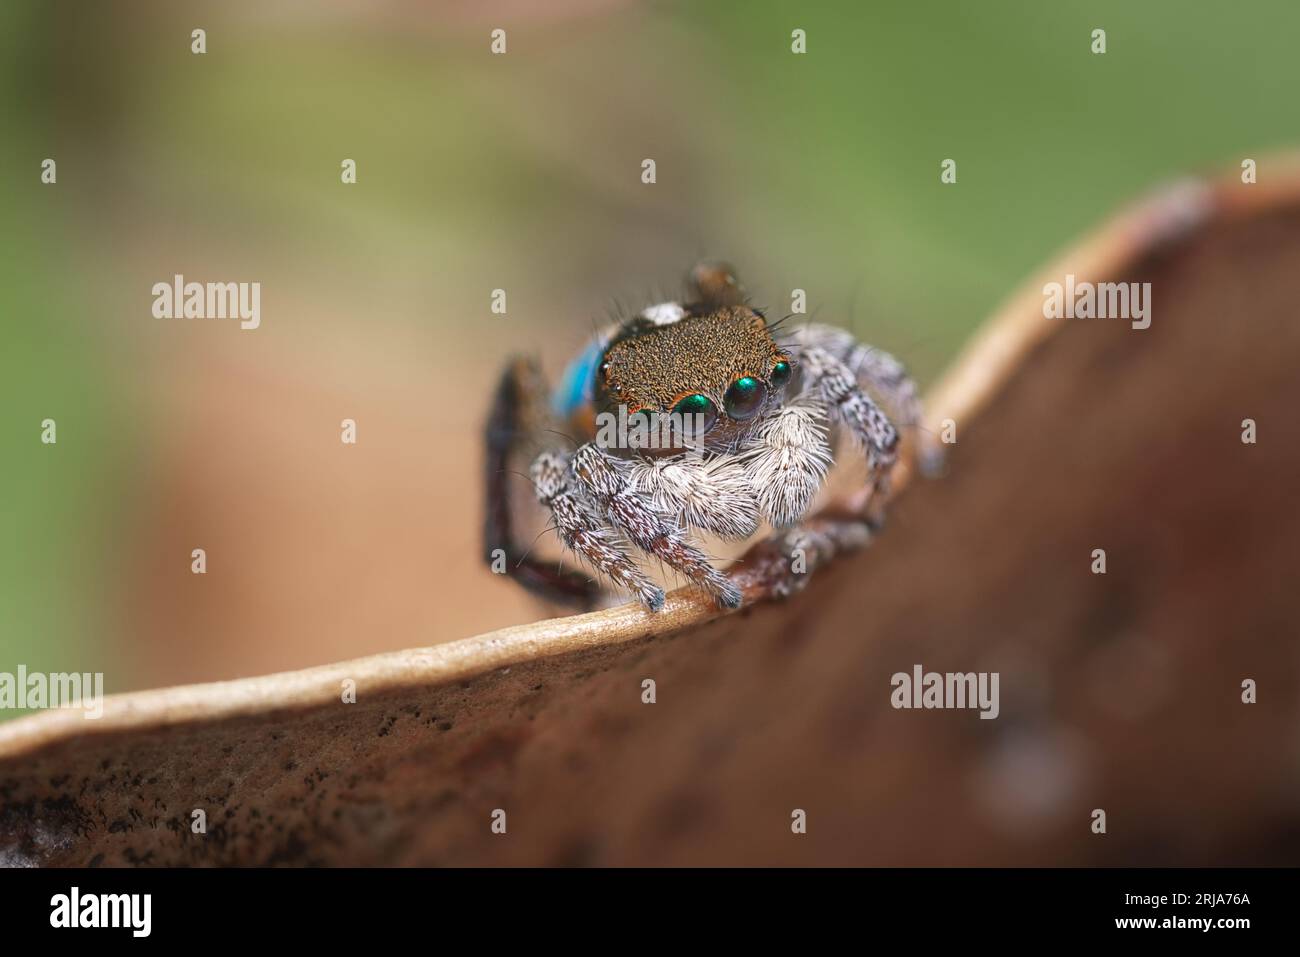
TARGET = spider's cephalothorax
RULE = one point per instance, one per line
(718, 368)
(698, 416)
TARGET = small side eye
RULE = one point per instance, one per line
(696, 405)
(745, 398)
(780, 373)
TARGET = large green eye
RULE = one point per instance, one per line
(745, 398)
(780, 373)
(694, 406)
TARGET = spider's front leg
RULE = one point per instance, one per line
(581, 529)
(607, 484)
(874, 368)
(882, 375)
(830, 379)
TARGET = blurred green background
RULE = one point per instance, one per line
(522, 171)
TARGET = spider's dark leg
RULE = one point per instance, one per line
(519, 415)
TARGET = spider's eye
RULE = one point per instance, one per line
(745, 398)
(780, 373)
(696, 405)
